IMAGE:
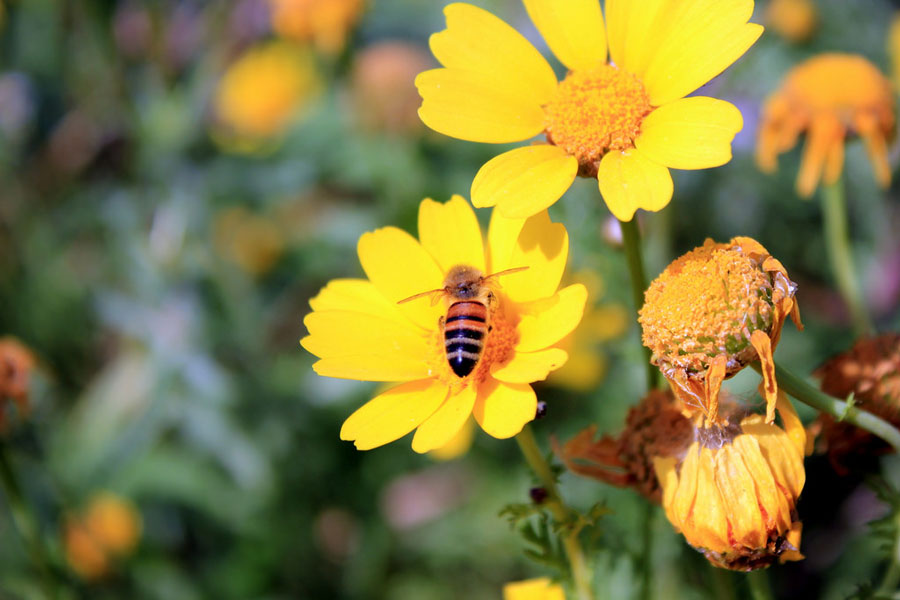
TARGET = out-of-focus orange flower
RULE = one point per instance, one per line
(384, 95)
(830, 96)
(870, 370)
(712, 312)
(795, 20)
(734, 492)
(252, 242)
(261, 92)
(325, 23)
(16, 364)
(654, 428)
(106, 531)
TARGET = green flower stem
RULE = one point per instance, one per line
(840, 410)
(758, 581)
(834, 222)
(25, 523)
(631, 240)
(892, 576)
(581, 576)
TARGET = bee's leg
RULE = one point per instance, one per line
(441, 322)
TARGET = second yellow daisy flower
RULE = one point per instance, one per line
(625, 121)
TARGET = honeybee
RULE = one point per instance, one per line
(467, 321)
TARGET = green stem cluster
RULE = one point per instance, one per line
(840, 410)
(631, 241)
(840, 256)
(581, 575)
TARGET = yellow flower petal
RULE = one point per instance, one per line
(686, 491)
(545, 322)
(697, 41)
(573, 29)
(526, 367)
(628, 181)
(664, 467)
(631, 28)
(503, 409)
(533, 589)
(469, 105)
(502, 235)
(382, 253)
(458, 444)
(736, 485)
(691, 133)
(706, 523)
(394, 413)
(524, 181)
(361, 346)
(476, 40)
(543, 247)
(357, 295)
(451, 234)
(445, 422)
(778, 510)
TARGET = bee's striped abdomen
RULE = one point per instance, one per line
(464, 331)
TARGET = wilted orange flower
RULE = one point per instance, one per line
(385, 328)
(622, 113)
(829, 96)
(16, 364)
(252, 242)
(795, 20)
(106, 531)
(654, 428)
(712, 312)
(384, 96)
(870, 370)
(734, 493)
(533, 589)
(262, 91)
(325, 23)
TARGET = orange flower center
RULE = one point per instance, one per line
(705, 304)
(596, 111)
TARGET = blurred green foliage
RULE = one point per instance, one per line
(169, 370)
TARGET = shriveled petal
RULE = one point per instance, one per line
(793, 426)
(357, 295)
(782, 455)
(524, 181)
(503, 409)
(526, 367)
(573, 29)
(629, 181)
(543, 247)
(691, 133)
(736, 485)
(445, 422)
(451, 234)
(686, 490)
(631, 29)
(400, 267)
(393, 414)
(476, 40)
(763, 346)
(469, 105)
(773, 500)
(697, 41)
(547, 321)
(367, 347)
(706, 524)
(664, 467)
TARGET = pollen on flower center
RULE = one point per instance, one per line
(595, 111)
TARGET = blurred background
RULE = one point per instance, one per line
(178, 178)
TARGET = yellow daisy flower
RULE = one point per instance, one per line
(795, 20)
(829, 96)
(325, 23)
(734, 492)
(262, 91)
(363, 329)
(540, 588)
(625, 121)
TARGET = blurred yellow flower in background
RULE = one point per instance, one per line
(830, 96)
(893, 49)
(795, 20)
(106, 531)
(325, 23)
(533, 589)
(713, 311)
(601, 323)
(734, 493)
(252, 242)
(262, 92)
(360, 329)
(625, 122)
